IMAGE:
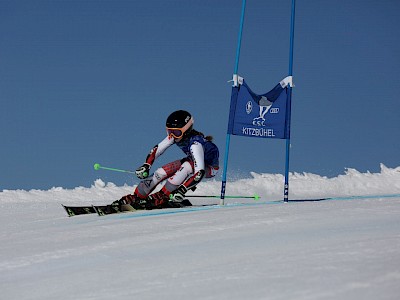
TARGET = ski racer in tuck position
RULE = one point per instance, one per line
(201, 161)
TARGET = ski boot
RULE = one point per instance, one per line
(157, 200)
(129, 202)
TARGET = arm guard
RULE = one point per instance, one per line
(158, 150)
(190, 184)
(151, 157)
(193, 180)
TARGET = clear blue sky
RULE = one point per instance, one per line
(93, 81)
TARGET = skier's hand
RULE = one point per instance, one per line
(143, 171)
(176, 197)
(179, 194)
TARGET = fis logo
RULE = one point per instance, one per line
(264, 106)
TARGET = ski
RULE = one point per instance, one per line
(114, 209)
(79, 210)
(103, 210)
(99, 209)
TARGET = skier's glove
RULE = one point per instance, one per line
(179, 194)
(143, 171)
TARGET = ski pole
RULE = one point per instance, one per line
(255, 197)
(98, 167)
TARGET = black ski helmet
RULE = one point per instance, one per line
(179, 123)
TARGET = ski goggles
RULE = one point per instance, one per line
(177, 133)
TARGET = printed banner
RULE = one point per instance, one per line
(262, 116)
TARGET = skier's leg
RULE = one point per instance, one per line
(161, 198)
(145, 187)
(179, 177)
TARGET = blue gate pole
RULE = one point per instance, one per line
(289, 103)
(228, 136)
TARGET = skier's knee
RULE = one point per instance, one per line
(160, 174)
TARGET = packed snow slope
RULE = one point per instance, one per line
(345, 248)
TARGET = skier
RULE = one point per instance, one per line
(201, 160)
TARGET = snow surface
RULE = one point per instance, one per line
(346, 248)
